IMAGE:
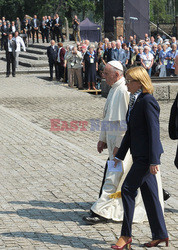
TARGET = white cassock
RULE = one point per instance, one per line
(115, 114)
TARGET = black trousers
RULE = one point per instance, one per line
(33, 35)
(104, 177)
(3, 41)
(60, 71)
(170, 72)
(57, 33)
(10, 60)
(51, 33)
(176, 159)
(45, 34)
(51, 65)
(139, 176)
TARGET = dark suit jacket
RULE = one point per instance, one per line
(33, 24)
(108, 55)
(14, 46)
(24, 23)
(173, 121)
(143, 135)
(52, 54)
(49, 24)
(10, 30)
(60, 24)
(5, 30)
(173, 125)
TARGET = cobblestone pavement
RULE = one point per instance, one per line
(49, 180)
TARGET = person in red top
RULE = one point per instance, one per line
(60, 61)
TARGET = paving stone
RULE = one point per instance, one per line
(49, 180)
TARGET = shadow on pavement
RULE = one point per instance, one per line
(170, 210)
(71, 241)
(58, 205)
(47, 78)
(49, 215)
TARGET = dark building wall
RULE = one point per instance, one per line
(112, 8)
(137, 9)
(127, 9)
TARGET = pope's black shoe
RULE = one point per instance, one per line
(166, 195)
(94, 219)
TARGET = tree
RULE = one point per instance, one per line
(162, 11)
(11, 8)
(75, 6)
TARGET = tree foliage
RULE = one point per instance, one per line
(162, 11)
(13, 8)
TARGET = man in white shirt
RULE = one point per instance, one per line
(13, 28)
(20, 43)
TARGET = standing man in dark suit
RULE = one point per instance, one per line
(10, 47)
(35, 28)
(143, 139)
(12, 28)
(52, 53)
(49, 27)
(43, 29)
(57, 24)
(5, 33)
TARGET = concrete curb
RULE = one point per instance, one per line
(164, 89)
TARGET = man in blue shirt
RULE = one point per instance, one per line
(121, 53)
(170, 56)
(114, 53)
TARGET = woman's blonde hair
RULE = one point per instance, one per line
(140, 74)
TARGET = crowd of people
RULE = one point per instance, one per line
(82, 65)
(137, 148)
(20, 32)
(49, 28)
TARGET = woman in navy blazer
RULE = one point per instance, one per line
(143, 140)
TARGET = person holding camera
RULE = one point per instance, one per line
(74, 62)
(76, 29)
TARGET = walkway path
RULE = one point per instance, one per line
(48, 181)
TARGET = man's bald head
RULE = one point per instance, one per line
(52, 42)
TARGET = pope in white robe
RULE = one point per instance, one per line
(115, 127)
